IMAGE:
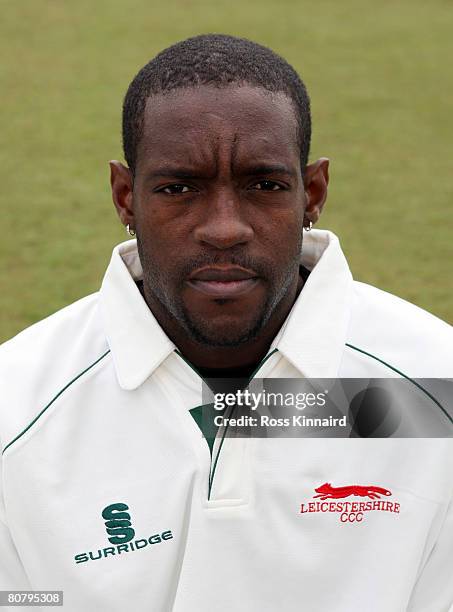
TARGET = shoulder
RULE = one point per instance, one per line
(37, 363)
(46, 328)
(400, 333)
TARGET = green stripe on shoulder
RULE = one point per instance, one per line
(55, 398)
(414, 382)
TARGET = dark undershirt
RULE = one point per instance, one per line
(233, 378)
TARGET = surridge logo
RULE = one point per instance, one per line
(350, 511)
(119, 528)
(118, 523)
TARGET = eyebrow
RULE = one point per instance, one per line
(264, 169)
(188, 173)
(181, 173)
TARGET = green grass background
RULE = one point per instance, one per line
(380, 79)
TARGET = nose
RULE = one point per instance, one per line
(224, 224)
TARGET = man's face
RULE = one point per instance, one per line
(218, 204)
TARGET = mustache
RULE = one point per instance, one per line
(258, 265)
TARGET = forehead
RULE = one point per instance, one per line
(195, 124)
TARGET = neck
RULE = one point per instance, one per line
(204, 356)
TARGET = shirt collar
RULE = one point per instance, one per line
(137, 342)
(314, 333)
(312, 337)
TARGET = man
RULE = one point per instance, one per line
(109, 491)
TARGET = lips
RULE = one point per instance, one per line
(223, 282)
(223, 274)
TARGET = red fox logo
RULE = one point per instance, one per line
(327, 491)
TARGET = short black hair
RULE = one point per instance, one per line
(218, 60)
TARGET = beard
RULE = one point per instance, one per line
(201, 329)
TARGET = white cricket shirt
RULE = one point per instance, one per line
(109, 491)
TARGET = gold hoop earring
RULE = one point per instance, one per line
(129, 230)
(308, 227)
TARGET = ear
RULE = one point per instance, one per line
(316, 179)
(122, 187)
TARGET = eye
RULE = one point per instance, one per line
(175, 189)
(267, 186)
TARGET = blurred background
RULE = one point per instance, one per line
(380, 80)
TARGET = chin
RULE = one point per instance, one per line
(226, 334)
